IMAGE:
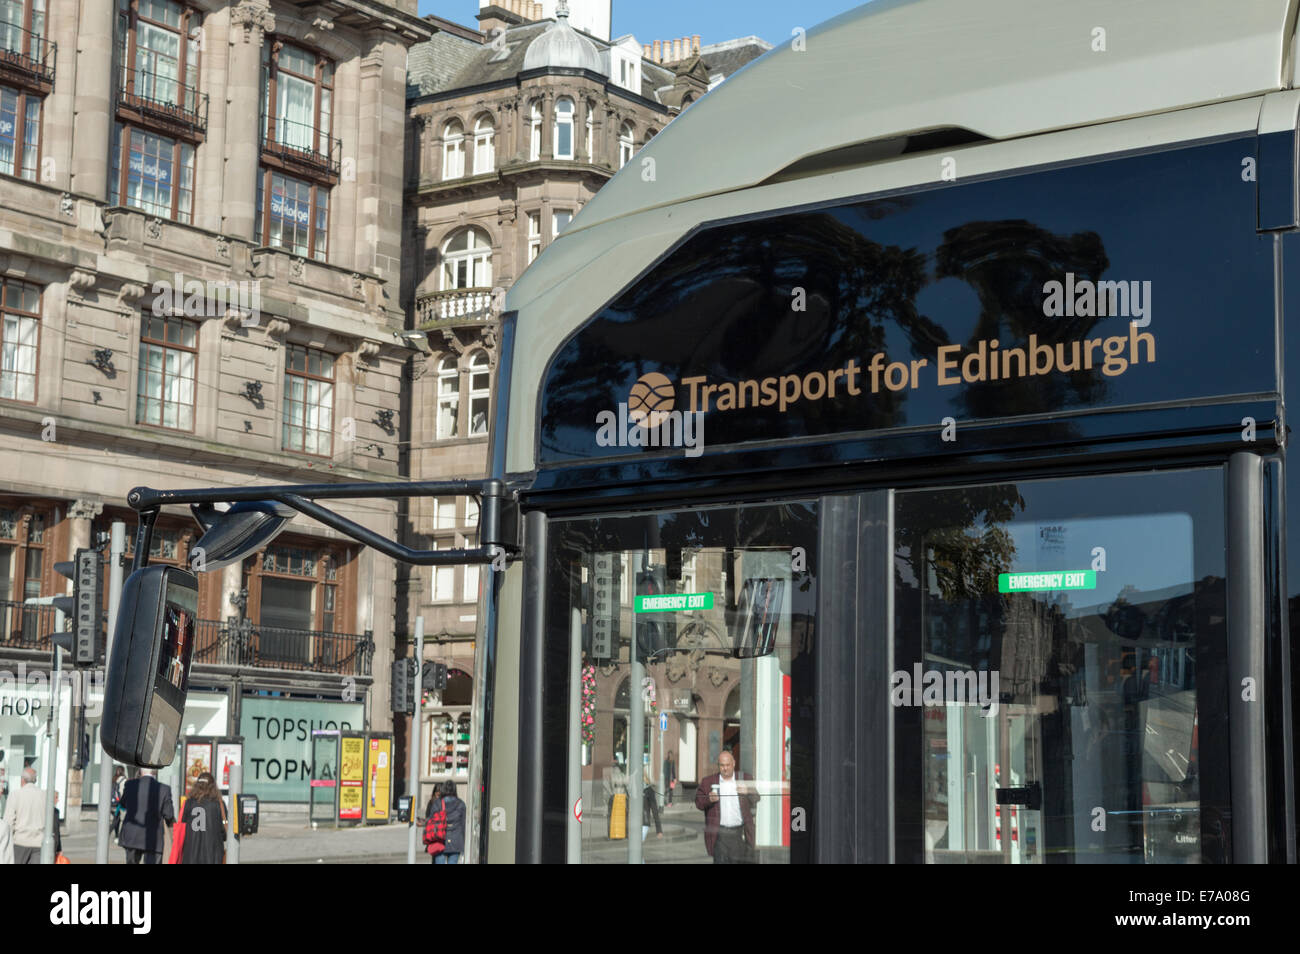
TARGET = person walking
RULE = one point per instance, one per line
(670, 778)
(119, 780)
(452, 809)
(727, 799)
(25, 815)
(204, 819)
(147, 810)
(6, 844)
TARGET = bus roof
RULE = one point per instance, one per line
(997, 69)
(1001, 71)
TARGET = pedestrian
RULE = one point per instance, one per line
(728, 804)
(204, 820)
(119, 780)
(147, 810)
(670, 777)
(448, 813)
(25, 815)
(6, 844)
(649, 807)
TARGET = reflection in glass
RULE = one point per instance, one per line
(1081, 741)
(663, 602)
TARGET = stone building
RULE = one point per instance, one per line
(200, 238)
(512, 129)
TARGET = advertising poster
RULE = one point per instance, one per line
(198, 759)
(785, 759)
(352, 774)
(278, 742)
(379, 770)
(228, 754)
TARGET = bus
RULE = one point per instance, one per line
(899, 443)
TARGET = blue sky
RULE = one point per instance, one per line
(713, 20)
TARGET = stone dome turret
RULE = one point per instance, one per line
(563, 46)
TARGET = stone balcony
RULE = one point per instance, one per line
(459, 305)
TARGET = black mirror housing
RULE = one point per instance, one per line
(153, 643)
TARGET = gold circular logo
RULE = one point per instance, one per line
(650, 399)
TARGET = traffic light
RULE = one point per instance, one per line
(603, 607)
(433, 676)
(403, 689)
(655, 632)
(86, 638)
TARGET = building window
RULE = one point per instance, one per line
(453, 150)
(444, 580)
(152, 173)
(308, 401)
(625, 147)
(297, 103)
(591, 111)
(448, 398)
(160, 52)
(469, 593)
(168, 359)
(20, 132)
(484, 148)
(480, 392)
(535, 131)
(564, 128)
(20, 311)
(298, 587)
(22, 27)
(444, 514)
(467, 261)
(559, 222)
(293, 214)
(534, 236)
(471, 512)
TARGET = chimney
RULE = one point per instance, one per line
(646, 50)
(658, 58)
(695, 43)
(677, 51)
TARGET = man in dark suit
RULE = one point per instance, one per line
(147, 810)
(727, 800)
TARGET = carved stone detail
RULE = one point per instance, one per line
(277, 327)
(80, 282)
(129, 295)
(256, 18)
(85, 509)
(66, 204)
(153, 228)
(453, 341)
(223, 246)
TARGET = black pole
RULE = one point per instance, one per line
(528, 832)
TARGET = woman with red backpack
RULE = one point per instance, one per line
(444, 825)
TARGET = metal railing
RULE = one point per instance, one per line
(231, 642)
(163, 96)
(244, 643)
(458, 303)
(24, 626)
(301, 144)
(27, 52)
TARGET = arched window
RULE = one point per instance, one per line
(564, 128)
(480, 392)
(625, 146)
(591, 111)
(453, 150)
(484, 150)
(448, 397)
(650, 134)
(467, 261)
(535, 130)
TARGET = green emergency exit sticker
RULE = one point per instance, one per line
(1038, 582)
(674, 602)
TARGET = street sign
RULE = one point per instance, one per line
(663, 722)
(577, 809)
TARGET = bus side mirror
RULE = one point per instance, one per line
(149, 672)
(245, 528)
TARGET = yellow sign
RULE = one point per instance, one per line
(352, 777)
(379, 770)
(618, 817)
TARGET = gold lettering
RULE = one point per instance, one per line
(947, 363)
(692, 383)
